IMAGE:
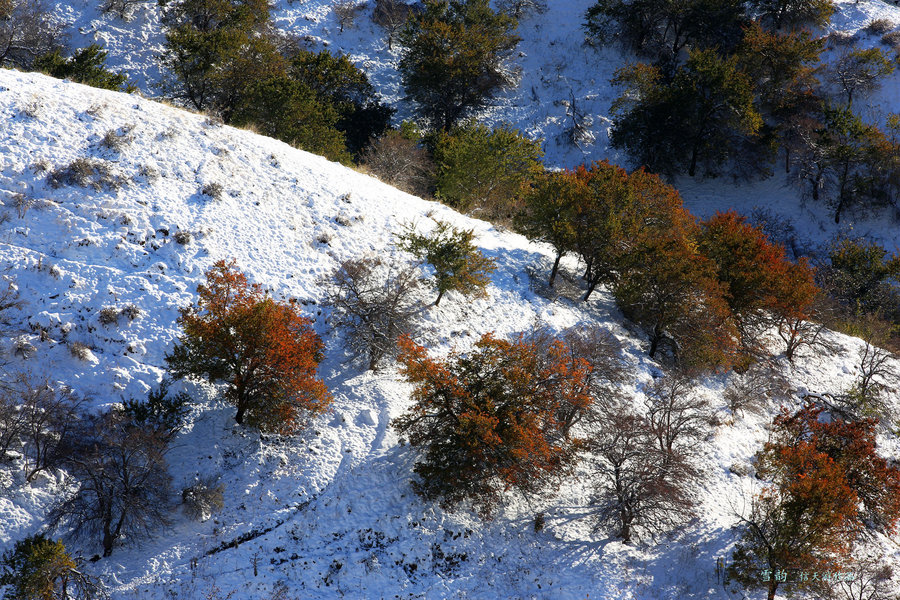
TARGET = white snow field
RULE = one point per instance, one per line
(331, 513)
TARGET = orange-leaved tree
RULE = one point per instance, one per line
(265, 351)
(828, 484)
(760, 283)
(489, 421)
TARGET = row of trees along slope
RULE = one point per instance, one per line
(726, 89)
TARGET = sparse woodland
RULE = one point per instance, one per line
(709, 321)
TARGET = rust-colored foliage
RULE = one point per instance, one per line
(264, 350)
(851, 445)
(828, 484)
(759, 281)
(490, 420)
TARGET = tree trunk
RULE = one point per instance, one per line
(239, 417)
(654, 342)
(773, 585)
(440, 295)
(593, 284)
(555, 269)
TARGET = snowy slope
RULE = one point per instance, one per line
(555, 69)
(330, 513)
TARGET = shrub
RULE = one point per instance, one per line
(761, 386)
(453, 57)
(84, 66)
(182, 237)
(264, 351)
(374, 303)
(124, 8)
(485, 169)
(487, 422)
(108, 316)
(131, 312)
(117, 140)
(401, 162)
(203, 498)
(458, 265)
(38, 568)
(27, 31)
(124, 486)
(86, 172)
(879, 26)
(80, 351)
(162, 413)
(892, 39)
(213, 190)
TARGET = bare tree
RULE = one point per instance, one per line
(346, 11)
(27, 31)
(860, 71)
(518, 9)
(676, 417)
(637, 487)
(875, 374)
(400, 162)
(49, 416)
(9, 301)
(123, 8)
(375, 304)
(391, 15)
(872, 580)
(760, 385)
(124, 488)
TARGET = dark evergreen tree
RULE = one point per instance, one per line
(453, 58)
(86, 66)
(696, 123)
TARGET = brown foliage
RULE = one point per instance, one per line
(489, 421)
(828, 486)
(265, 351)
(758, 280)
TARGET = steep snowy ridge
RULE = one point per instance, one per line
(331, 512)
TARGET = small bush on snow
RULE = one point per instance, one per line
(203, 498)
(79, 351)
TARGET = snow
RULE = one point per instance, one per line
(331, 513)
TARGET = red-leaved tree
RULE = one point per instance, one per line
(828, 485)
(265, 351)
(490, 420)
(760, 283)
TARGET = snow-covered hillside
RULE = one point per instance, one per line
(330, 513)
